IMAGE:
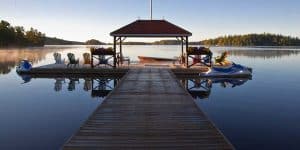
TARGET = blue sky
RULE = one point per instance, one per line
(82, 20)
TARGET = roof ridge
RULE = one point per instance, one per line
(178, 26)
(151, 28)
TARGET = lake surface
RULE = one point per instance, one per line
(261, 113)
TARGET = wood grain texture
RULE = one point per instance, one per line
(149, 109)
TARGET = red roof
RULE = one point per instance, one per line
(151, 28)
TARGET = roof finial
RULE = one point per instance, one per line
(151, 9)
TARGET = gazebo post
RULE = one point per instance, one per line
(181, 49)
(186, 51)
(121, 53)
(115, 50)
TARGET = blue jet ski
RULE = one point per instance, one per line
(24, 66)
(231, 71)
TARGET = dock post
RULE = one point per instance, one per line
(181, 51)
(115, 51)
(121, 53)
(186, 51)
(92, 61)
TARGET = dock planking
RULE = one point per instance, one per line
(60, 70)
(86, 70)
(149, 109)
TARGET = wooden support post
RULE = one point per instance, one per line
(115, 51)
(121, 53)
(115, 83)
(92, 83)
(181, 51)
(186, 51)
(92, 61)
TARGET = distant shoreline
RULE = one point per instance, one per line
(161, 45)
(17, 37)
(49, 45)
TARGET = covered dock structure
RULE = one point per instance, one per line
(151, 29)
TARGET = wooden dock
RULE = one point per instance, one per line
(59, 70)
(149, 109)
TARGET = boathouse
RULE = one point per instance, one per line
(151, 29)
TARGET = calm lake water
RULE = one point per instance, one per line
(262, 113)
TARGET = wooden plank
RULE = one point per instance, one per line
(87, 69)
(81, 70)
(149, 109)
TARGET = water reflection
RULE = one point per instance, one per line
(72, 83)
(88, 83)
(26, 78)
(200, 88)
(103, 86)
(58, 84)
(251, 121)
(98, 86)
(266, 54)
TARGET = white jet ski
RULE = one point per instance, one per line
(231, 71)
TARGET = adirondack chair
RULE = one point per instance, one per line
(57, 58)
(196, 59)
(86, 58)
(72, 60)
(182, 58)
(221, 59)
(103, 60)
(121, 59)
(126, 58)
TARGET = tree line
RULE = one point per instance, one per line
(57, 41)
(94, 42)
(17, 36)
(265, 39)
